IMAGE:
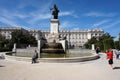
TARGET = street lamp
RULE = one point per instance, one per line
(119, 38)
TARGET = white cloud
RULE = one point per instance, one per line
(6, 21)
(42, 4)
(100, 14)
(67, 25)
(68, 13)
(65, 13)
(76, 28)
(11, 23)
(21, 16)
(41, 12)
(64, 25)
(37, 17)
(112, 25)
(10, 19)
(100, 23)
(12, 16)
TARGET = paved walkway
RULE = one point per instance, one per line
(90, 70)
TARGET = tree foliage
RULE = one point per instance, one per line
(5, 44)
(108, 43)
(116, 44)
(93, 40)
(22, 38)
(2, 39)
(104, 42)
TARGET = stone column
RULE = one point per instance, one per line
(14, 47)
(93, 47)
(39, 47)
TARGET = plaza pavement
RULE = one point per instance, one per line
(89, 70)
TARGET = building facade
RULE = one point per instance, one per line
(6, 31)
(74, 37)
(77, 37)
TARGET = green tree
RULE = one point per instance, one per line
(2, 39)
(22, 38)
(5, 44)
(108, 43)
(91, 41)
(104, 42)
(116, 44)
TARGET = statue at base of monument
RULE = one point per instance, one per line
(55, 12)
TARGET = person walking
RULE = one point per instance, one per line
(97, 50)
(110, 57)
(117, 54)
(35, 57)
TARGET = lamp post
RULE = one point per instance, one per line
(119, 36)
(119, 40)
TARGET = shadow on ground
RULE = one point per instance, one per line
(116, 68)
(2, 66)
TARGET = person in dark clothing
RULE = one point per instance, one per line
(97, 50)
(35, 57)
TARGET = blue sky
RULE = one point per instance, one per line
(73, 15)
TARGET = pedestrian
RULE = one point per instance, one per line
(35, 57)
(117, 53)
(2, 56)
(110, 57)
(97, 50)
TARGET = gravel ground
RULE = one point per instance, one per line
(90, 70)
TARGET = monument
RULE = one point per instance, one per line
(54, 44)
(54, 26)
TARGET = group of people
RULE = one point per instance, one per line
(110, 52)
(110, 56)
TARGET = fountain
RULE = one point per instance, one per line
(54, 44)
(54, 48)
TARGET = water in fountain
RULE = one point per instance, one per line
(52, 47)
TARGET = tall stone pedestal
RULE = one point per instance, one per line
(54, 31)
(54, 26)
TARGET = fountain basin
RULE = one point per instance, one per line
(57, 60)
(62, 58)
(52, 47)
(52, 50)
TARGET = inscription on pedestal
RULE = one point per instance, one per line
(54, 26)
